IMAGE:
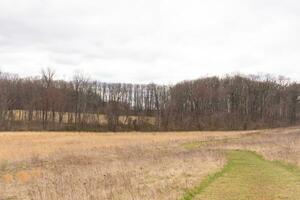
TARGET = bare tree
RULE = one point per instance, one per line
(48, 96)
(232, 102)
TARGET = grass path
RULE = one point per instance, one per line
(248, 176)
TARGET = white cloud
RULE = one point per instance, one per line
(150, 41)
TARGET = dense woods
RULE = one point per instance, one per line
(233, 102)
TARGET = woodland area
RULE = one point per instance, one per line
(213, 103)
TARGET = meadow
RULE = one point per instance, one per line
(162, 165)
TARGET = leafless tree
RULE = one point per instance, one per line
(232, 102)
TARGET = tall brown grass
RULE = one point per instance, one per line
(127, 166)
(103, 166)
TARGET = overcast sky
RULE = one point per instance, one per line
(143, 41)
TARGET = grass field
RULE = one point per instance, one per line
(133, 166)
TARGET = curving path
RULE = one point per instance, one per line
(248, 176)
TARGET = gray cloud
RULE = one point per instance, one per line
(150, 41)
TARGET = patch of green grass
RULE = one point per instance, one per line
(6, 166)
(198, 144)
(189, 195)
(3, 165)
(248, 176)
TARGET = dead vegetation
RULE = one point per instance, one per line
(125, 166)
(103, 166)
(275, 144)
(280, 144)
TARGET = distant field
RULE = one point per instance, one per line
(22, 115)
(70, 165)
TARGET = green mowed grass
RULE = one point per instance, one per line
(248, 176)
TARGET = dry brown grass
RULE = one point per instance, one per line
(127, 166)
(64, 165)
(281, 144)
(275, 144)
(19, 146)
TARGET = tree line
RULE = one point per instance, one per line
(230, 103)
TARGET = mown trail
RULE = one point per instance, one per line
(248, 176)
